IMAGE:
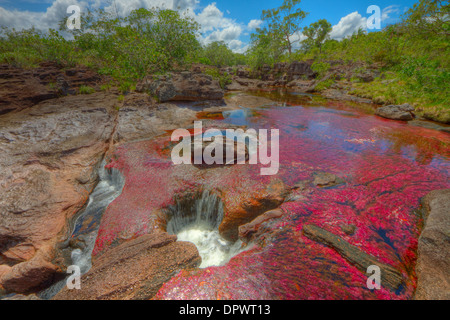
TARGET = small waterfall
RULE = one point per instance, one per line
(86, 225)
(197, 220)
(205, 211)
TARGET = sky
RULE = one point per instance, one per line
(231, 21)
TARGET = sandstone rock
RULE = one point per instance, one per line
(433, 264)
(390, 277)
(248, 101)
(247, 231)
(184, 86)
(325, 179)
(48, 159)
(403, 112)
(30, 275)
(239, 151)
(22, 297)
(250, 207)
(142, 118)
(342, 95)
(366, 77)
(135, 269)
(348, 229)
(22, 88)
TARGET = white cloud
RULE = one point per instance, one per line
(41, 20)
(348, 25)
(214, 25)
(254, 24)
(385, 15)
(227, 35)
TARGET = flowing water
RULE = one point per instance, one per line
(85, 228)
(197, 221)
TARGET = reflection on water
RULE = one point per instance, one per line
(240, 117)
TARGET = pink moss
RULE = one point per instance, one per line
(382, 164)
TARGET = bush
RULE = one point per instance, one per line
(224, 79)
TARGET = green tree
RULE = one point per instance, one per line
(316, 34)
(265, 48)
(284, 23)
(218, 54)
(429, 17)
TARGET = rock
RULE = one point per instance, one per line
(348, 229)
(433, 264)
(49, 153)
(248, 101)
(366, 77)
(23, 88)
(390, 277)
(248, 231)
(430, 125)
(142, 118)
(336, 94)
(228, 146)
(4, 269)
(30, 275)
(184, 86)
(299, 68)
(250, 207)
(22, 297)
(325, 179)
(402, 112)
(135, 270)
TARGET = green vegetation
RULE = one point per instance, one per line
(86, 90)
(223, 78)
(147, 41)
(316, 34)
(218, 54)
(411, 58)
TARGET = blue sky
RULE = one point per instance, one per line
(231, 21)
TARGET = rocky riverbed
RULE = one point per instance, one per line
(351, 191)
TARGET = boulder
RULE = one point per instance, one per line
(433, 264)
(135, 270)
(325, 179)
(182, 86)
(404, 112)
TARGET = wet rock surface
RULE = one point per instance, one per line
(135, 270)
(390, 277)
(433, 263)
(48, 160)
(250, 230)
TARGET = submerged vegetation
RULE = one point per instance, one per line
(411, 57)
